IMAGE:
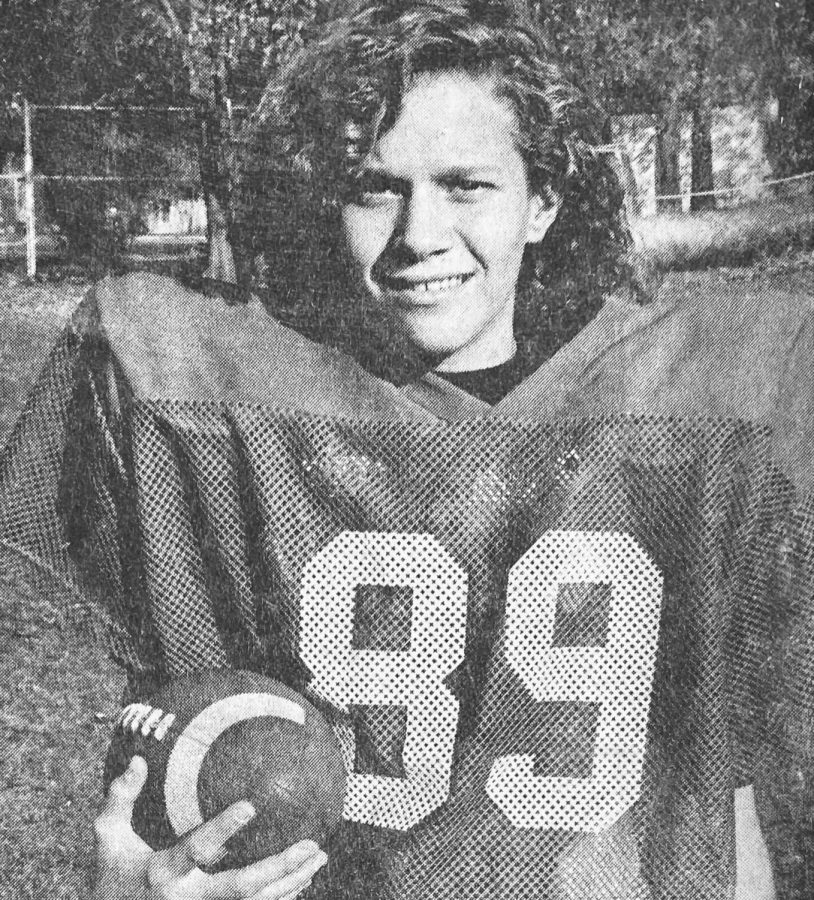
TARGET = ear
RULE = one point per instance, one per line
(543, 210)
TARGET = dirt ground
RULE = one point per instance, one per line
(58, 691)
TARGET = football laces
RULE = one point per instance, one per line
(150, 720)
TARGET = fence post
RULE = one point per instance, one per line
(28, 197)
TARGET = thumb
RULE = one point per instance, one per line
(124, 791)
(121, 855)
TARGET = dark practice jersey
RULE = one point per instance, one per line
(554, 635)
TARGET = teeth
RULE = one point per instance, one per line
(441, 284)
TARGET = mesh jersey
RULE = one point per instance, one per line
(547, 633)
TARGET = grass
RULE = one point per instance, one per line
(31, 317)
(727, 237)
(57, 689)
(58, 694)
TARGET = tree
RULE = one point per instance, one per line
(211, 55)
(667, 59)
(793, 138)
(83, 52)
(227, 50)
(75, 51)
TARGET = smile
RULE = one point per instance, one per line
(428, 286)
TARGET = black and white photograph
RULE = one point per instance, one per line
(406, 450)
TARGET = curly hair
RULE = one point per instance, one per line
(299, 164)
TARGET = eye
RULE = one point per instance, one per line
(468, 188)
(372, 188)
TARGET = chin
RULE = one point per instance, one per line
(430, 345)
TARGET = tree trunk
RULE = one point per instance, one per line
(221, 265)
(702, 180)
(668, 145)
(701, 156)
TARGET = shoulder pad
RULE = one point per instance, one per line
(172, 343)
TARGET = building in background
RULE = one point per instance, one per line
(169, 214)
(739, 157)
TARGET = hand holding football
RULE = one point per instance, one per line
(217, 737)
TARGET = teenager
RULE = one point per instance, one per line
(521, 533)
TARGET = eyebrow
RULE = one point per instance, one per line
(462, 170)
(468, 169)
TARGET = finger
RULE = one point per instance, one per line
(297, 893)
(295, 882)
(290, 896)
(267, 894)
(121, 854)
(123, 792)
(205, 845)
(297, 864)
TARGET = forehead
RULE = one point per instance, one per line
(449, 119)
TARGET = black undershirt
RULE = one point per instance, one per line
(492, 384)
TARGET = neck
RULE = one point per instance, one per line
(480, 356)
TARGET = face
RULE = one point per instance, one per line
(436, 230)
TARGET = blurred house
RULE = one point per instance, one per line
(739, 160)
(12, 213)
(12, 199)
(175, 215)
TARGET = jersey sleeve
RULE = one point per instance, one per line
(97, 505)
(787, 801)
(784, 767)
(785, 786)
(30, 464)
(67, 504)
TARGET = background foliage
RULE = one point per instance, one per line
(657, 57)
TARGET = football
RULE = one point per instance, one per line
(219, 736)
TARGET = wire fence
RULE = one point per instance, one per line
(770, 187)
(97, 181)
(101, 179)
(747, 192)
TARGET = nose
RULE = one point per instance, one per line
(425, 228)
